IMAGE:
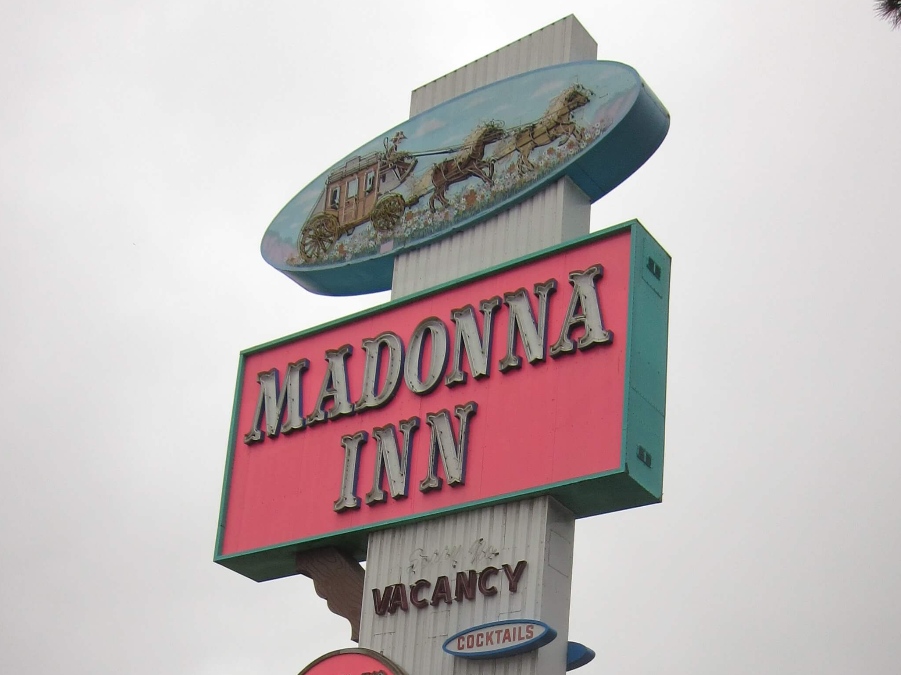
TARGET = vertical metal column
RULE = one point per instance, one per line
(538, 530)
(557, 213)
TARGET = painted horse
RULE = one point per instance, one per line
(557, 122)
(469, 161)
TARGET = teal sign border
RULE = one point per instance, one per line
(637, 482)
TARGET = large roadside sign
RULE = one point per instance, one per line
(460, 163)
(543, 376)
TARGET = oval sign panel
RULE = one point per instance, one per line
(499, 638)
(460, 163)
(352, 662)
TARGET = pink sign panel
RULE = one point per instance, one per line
(514, 383)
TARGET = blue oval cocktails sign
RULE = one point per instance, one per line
(461, 162)
(499, 638)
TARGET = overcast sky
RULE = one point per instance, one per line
(144, 149)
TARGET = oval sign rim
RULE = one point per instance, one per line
(548, 636)
(633, 139)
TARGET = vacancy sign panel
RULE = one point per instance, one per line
(543, 376)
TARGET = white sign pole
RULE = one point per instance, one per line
(468, 568)
(558, 213)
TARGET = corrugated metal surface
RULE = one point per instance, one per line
(557, 213)
(538, 531)
(563, 41)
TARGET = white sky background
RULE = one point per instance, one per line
(145, 147)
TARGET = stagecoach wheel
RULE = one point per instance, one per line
(387, 212)
(317, 236)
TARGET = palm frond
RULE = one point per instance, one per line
(890, 10)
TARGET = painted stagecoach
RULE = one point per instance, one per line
(458, 164)
(362, 190)
(369, 188)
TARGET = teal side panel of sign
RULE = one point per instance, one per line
(645, 399)
(461, 163)
(640, 480)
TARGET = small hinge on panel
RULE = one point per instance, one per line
(644, 456)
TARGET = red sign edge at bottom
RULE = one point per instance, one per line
(382, 659)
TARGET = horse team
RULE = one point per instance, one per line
(556, 123)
